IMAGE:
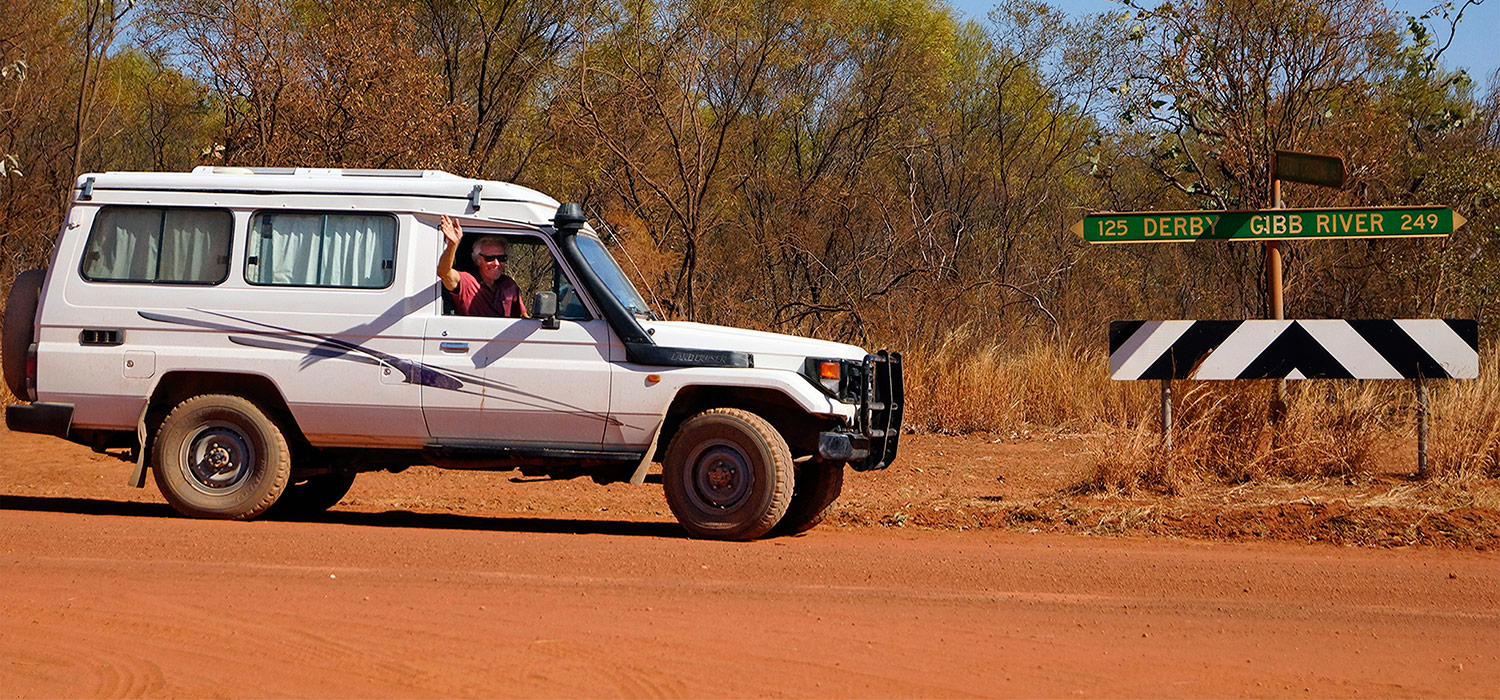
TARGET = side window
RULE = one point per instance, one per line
(530, 263)
(316, 249)
(158, 245)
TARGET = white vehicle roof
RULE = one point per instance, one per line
(416, 191)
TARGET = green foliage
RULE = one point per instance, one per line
(175, 117)
(1222, 83)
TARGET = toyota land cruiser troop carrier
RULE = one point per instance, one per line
(256, 337)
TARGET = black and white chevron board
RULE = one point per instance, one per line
(1302, 349)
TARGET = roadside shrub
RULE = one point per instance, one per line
(1465, 423)
(1131, 461)
(1223, 433)
(977, 384)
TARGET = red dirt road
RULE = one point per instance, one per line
(103, 598)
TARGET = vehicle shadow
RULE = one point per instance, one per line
(85, 506)
(391, 518)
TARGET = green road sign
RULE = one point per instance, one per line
(1267, 224)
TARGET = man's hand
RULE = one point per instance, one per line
(451, 231)
(445, 272)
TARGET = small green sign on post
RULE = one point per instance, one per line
(1310, 168)
(1268, 224)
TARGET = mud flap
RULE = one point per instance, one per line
(638, 477)
(138, 477)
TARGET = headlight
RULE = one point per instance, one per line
(829, 373)
(837, 378)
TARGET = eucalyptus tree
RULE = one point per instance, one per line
(502, 63)
(1008, 160)
(1218, 85)
(662, 90)
(310, 82)
(14, 71)
(41, 58)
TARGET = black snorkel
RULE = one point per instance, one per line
(567, 224)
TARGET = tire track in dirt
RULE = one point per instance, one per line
(108, 665)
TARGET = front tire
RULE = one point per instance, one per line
(728, 475)
(220, 456)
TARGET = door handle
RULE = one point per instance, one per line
(454, 347)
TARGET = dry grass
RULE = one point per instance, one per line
(1466, 424)
(975, 384)
(1437, 493)
(1223, 431)
(1129, 461)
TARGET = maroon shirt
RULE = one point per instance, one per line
(472, 299)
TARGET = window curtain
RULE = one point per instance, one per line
(146, 244)
(355, 249)
(336, 250)
(124, 245)
(286, 248)
(194, 246)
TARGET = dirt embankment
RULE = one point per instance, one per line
(1029, 483)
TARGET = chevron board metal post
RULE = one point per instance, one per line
(1294, 349)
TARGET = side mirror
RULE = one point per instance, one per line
(544, 307)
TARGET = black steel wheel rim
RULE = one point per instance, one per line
(217, 458)
(720, 476)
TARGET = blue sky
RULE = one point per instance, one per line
(1470, 51)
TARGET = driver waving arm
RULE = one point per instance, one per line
(492, 292)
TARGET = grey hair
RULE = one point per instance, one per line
(481, 241)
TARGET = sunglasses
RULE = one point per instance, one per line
(494, 258)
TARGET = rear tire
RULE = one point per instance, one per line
(818, 486)
(16, 334)
(220, 456)
(728, 475)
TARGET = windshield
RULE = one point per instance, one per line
(613, 277)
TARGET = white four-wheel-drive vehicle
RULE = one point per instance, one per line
(259, 336)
